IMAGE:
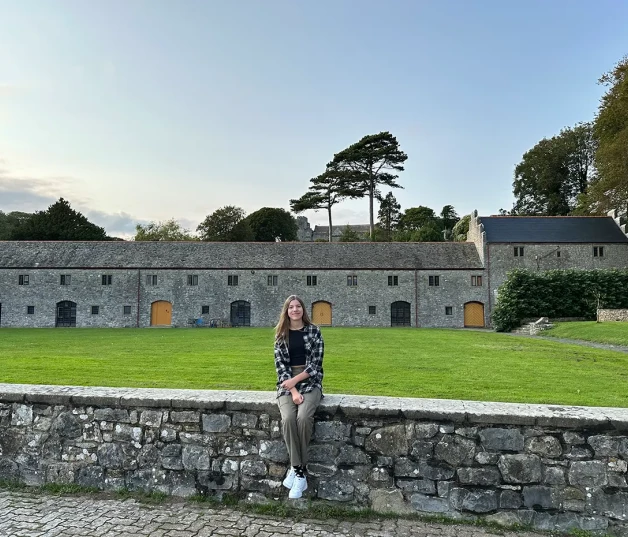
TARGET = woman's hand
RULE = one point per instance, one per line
(297, 398)
(288, 384)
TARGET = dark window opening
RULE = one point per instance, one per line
(106, 279)
(66, 279)
(311, 280)
(352, 281)
(66, 314)
(400, 314)
(151, 279)
(598, 251)
(95, 310)
(23, 279)
(434, 281)
(371, 310)
(30, 310)
(204, 310)
(476, 281)
(240, 313)
(127, 310)
(192, 279)
(272, 280)
(449, 310)
(232, 280)
(393, 280)
(518, 251)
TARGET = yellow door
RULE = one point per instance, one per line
(474, 314)
(161, 313)
(321, 313)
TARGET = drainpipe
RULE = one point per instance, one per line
(137, 321)
(416, 301)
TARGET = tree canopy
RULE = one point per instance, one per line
(9, 221)
(57, 223)
(372, 162)
(610, 190)
(170, 230)
(326, 190)
(271, 224)
(552, 174)
(221, 225)
(388, 217)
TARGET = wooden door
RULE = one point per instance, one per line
(474, 314)
(321, 313)
(161, 313)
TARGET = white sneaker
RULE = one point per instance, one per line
(299, 485)
(289, 480)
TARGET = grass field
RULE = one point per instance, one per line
(611, 333)
(450, 364)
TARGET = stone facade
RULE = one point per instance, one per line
(381, 275)
(612, 315)
(550, 467)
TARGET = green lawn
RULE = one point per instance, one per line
(613, 333)
(450, 364)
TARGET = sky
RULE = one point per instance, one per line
(146, 110)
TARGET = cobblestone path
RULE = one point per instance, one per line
(40, 515)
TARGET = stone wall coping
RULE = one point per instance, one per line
(457, 411)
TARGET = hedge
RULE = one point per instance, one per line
(558, 293)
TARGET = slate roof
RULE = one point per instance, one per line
(225, 255)
(552, 229)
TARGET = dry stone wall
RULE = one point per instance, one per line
(550, 467)
(612, 315)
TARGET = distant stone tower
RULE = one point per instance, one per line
(304, 231)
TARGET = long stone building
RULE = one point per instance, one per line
(446, 284)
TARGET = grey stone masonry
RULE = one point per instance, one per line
(612, 315)
(552, 467)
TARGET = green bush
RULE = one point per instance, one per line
(558, 293)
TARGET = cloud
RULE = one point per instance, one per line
(116, 224)
(9, 90)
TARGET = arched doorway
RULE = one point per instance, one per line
(400, 314)
(474, 315)
(240, 313)
(321, 313)
(66, 313)
(161, 313)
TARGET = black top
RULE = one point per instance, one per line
(296, 347)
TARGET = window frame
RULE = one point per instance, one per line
(232, 280)
(433, 280)
(30, 310)
(598, 251)
(193, 280)
(66, 279)
(518, 251)
(449, 310)
(204, 310)
(393, 281)
(23, 279)
(311, 280)
(476, 280)
(372, 310)
(352, 280)
(272, 280)
(95, 310)
(151, 279)
(106, 279)
(126, 310)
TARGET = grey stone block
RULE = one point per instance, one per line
(389, 501)
(424, 486)
(429, 504)
(544, 446)
(152, 418)
(111, 456)
(185, 416)
(604, 446)
(486, 476)
(337, 489)
(455, 450)
(520, 468)
(352, 456)
(436, 471)
(216, 423)
(195, 458)
(241, 419)
(588, 474)
(510, 499)
(495, 439)
(253, 468)
(91, 476)
(474, 500)
(542, 497)
(329, 431)
(273, 450)
(112, 414)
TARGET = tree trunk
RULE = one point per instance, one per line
(371, 194)
(329, 213)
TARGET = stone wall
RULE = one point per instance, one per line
(551, 467)
(612, 315)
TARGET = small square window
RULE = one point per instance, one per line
(372, 310)
(95, 310)
(192, 279)
(232, 280)
(204, 310)
(311, 280)
(23, 279)
(66, 279)
(127, 310)
(352, 281)
(272, 280)
(393, 280)
(151, 279)
(476, 281)
(30, 310)
(598, 251)
(449, 310)
(434, 281)
(518, 251)
(106, 279)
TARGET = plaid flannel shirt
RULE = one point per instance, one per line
(314, 350)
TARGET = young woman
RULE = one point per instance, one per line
(299, 363)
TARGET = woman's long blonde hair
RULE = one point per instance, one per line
(283, 326)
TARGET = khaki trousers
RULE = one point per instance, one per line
(297, 424)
